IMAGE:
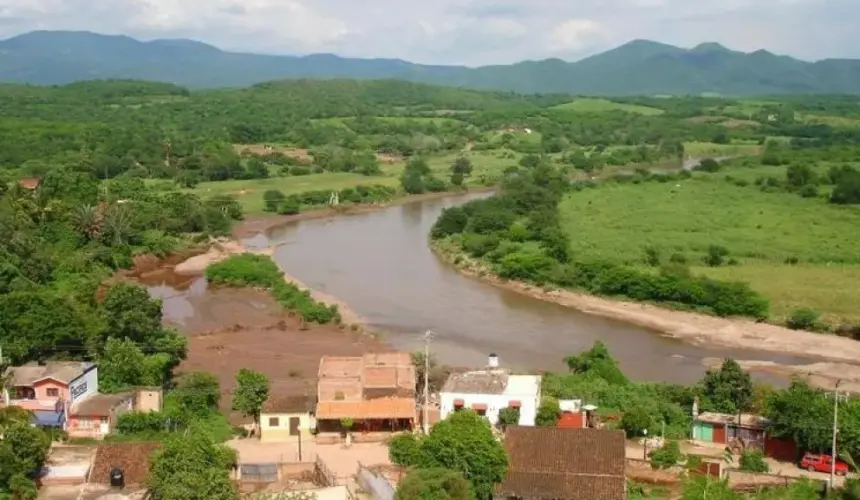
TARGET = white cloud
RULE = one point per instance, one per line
(458, 31)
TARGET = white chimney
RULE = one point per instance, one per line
(492, 360)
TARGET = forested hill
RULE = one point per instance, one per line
(639, 67)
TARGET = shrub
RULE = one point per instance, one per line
(678, 258)
(452, 221)
(716, 255)
(290, 206)
(404, 450)
(803, 318)
(666, 456)
(753, 461)
(652, 256)
(708, 165)
(509, 416)
(258, 270)
(272, 199)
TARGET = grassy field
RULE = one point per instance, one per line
(705, 149)
(602, 105)
(487, 168)
(760, 230)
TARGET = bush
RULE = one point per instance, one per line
(709, 165)
(509, 416)
(753, 461)
(258, 270)
(803, 318)
(716, 255)
(290, 206)
(404, 450)
(272, 199)
(666, 456)
(452, 221)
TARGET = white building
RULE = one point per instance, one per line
(488, 391)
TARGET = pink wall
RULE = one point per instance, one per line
(42, 401)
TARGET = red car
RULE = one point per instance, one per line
(822, 463)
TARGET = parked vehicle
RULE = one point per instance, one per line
(822, 463)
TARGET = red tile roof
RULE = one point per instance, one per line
(547, 463)
(374, 409)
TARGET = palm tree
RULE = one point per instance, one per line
(87, 220)
(117, 222)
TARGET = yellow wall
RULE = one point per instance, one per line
(282, 431)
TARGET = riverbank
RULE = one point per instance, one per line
(255, 224)
(694, 328)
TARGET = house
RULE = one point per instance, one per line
(96, 416)
(48, 390)
(30, 183)
(548, 463)
(286, 419)
(489, 391)
(376, 391)
(725, 429)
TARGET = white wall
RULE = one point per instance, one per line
(494, 402)
(84, 386)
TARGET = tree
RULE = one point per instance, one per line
(129, 312)
(192, 467)
(13, 415)
(847, 188)
(460, 169)
(121, 365)
(509, 416)
(797, 176)
(598, 362)
(404, 450)
(548, 413)
(465, 443)
(729, 389)
(433, 484)
(716, 256)
(666, 456)
(798, 412)
(198, 393)
(252, 390)
(23, 451)
(635, 421)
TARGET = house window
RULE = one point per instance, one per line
(84, 423)
(53, 392)
(274, 421)
(103, 420)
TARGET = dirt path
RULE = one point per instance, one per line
(699, 329)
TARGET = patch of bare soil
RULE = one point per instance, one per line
(264, 149)
(699, 329)
(733, 123)
(262, 336)
(823, 375)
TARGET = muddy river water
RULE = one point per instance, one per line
(380, 264)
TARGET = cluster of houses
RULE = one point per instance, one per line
(65, 395)
(374, 395)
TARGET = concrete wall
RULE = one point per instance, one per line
(494, 402)
(281, 431)
(377, 486)
(147, 400)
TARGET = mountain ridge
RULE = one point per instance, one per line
(636, 67)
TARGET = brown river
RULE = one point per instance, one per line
(379, 264)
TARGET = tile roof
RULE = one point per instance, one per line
(381, 408)
(29, 183)
(343, 378)
(477, 382)
(62, 371)
(131, 457)
(99, 405)
(747, 419)
(289, 404)
(548, 463)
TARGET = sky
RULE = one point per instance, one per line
(470, 32)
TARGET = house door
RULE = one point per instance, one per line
(705, 432)
(294, 426)
(104, 428)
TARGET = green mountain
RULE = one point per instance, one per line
(638, 67)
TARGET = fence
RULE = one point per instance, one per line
(374, 484)
(324, 476)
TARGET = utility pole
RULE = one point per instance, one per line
(836, 397)
(428, 335)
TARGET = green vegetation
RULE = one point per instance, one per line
(260, 271)
(638, 67)
(602, 105)
(462, 443)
